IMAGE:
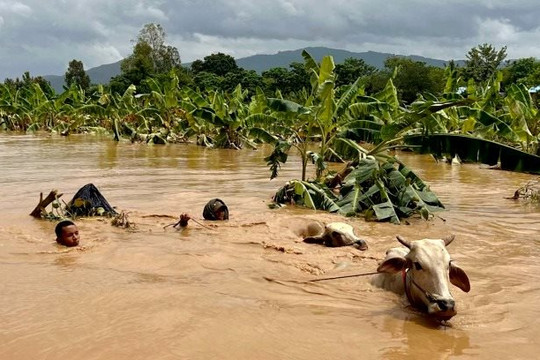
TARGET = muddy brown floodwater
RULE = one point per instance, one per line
(236, 289)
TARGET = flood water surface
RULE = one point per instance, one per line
(238, 289)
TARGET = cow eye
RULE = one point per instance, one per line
(417, 265)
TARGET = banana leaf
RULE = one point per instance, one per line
(371, 188)
(286, 106)
(362, 130)
(477, 150)
(350, 204)
(304, 193)
(278, 156)
(260, 134)
(385, 210)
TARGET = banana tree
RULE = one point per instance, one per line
(386, 191)
(163, 109)
(16, 109)
(318, 119)
(218, 118)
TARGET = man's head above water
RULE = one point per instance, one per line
(67, 233)
(216, 209)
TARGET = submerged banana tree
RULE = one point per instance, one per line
(15, 108)
(485, 126)
(316, 121)
(163, 115)
(385, 191)
(218, 119)
(374, 183)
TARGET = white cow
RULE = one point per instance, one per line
(423, 272)
(337, 234)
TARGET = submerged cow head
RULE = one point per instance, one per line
(338, 234)
(427, 272)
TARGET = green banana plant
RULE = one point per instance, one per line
(319, 118)
(386, 191)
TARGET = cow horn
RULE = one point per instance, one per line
(403, 241)
(449, 239)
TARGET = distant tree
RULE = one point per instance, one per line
(219, 64)
(284, 80)
(249, 79)
(376, 82)
(482, 62)
(75, 74)
(207, 80)
(164, 57)
(413, 78)
(300, 76)
(534, 78)
(437, 78)
(119, 84)
(519, 71)
(278, 78)
(140, 61)
(352, 69)
(150, 57)
(135, 69)
(197, 66)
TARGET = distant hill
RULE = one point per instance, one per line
(262, 63)
(102, 74)
(98, 75)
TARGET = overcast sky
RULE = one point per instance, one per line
(42, 36)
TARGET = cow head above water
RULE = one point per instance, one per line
(426, 271)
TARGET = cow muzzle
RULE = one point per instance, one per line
(442, 309)
(360, 244)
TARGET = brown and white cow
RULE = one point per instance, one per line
(423, 272)
(337, 234)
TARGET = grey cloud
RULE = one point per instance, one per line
(43, 36)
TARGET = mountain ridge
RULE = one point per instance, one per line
(262, 62)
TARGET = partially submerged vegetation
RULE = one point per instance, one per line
(324, 120)
(88, 201)
(530, 192)
(383, 191)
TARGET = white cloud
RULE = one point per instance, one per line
(497, 30)
(15, 8)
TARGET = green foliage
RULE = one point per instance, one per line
(249, 80)
(414, 78)
(482, 62)
(163, 57)
(151, 57)
(26, 83)
(375, 189)
(277, 157)
(287, 81)
(207, 80)
(75, 75)
(519, 71)
(352, 69)
(219, 64)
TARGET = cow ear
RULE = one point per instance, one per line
(392, 265)
(459, 278)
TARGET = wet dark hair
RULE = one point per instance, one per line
(62, 224)
(212, 207)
